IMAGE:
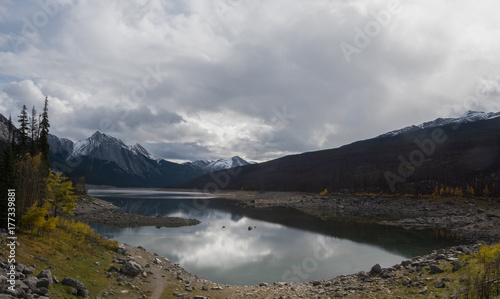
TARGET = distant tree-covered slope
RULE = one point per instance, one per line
(418, 161)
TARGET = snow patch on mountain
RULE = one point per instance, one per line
(220, 164)
(468, 117)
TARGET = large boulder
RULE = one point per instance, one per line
(131, 268)
(46, 274)
(79, 286)
(31, 282)
(42, 283)
(376, 270)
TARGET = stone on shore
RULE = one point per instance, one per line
(376, 270)
(131, 268)
(46, 274)
(435, 269)
(81, 289)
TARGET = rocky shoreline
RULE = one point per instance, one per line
(472, 220)
(95, 210)
(134, 220)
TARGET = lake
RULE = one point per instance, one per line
(246, 246)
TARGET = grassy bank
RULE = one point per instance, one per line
(85, 256)
(67, 256)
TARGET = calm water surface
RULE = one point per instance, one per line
(283, 245)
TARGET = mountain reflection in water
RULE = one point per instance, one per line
(283, 244)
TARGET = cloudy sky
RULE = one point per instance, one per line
(192, 79)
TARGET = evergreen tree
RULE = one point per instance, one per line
(33, 130)
(23, 131)
(44, 137)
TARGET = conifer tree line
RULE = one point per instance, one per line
(41, 196)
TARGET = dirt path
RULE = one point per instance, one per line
(156, 275)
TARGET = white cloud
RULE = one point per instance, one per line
(223, 67)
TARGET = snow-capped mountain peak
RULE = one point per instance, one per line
(469, 116)
(219, 164)
(97, 141)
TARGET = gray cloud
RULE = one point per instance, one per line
(211, 79)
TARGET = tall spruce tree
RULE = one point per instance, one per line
(44, 137)
(23, 131)
(33, 132)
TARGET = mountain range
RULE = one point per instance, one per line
(106, 160)
(453, 152)
(446, 152)
(220, 164)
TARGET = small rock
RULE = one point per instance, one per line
(263, 284)
(315, 283)
(423, 291)
(250, 228)
(435, 269)
(439, 285)
(177, 294)
(456, 266)
(121, 250)
(41, 291)
(363, 276)
(385, 273)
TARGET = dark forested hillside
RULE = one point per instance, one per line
(455, 155)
